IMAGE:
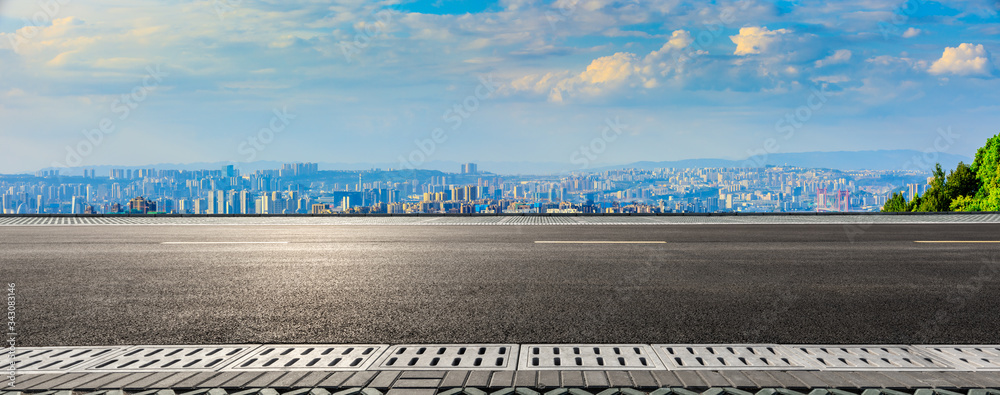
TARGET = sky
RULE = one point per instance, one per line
(583, 82)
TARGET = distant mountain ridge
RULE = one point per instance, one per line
(841, 160)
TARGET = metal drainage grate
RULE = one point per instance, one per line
(588, 356)
(868, 358)
(727, 356)
(969, 357)
(310, 357)
(58, 359)
(170, 358)
(449, 357)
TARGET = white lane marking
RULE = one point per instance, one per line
(957, 241)
(224, 242)
(596, 242)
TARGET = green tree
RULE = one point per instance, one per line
(895, 204)
(936, 197)
(962, 182)
(914, 204)
(987, 169)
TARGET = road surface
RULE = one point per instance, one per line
(833, 283)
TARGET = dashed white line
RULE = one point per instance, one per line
(224, 242)
(596, 242)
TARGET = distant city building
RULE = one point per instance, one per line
(470, 168)
(140, 205)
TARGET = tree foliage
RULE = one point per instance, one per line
(895, 204)
(986, 165)
(967, 188)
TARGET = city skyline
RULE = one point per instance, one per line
(585, 83)
(302, 188)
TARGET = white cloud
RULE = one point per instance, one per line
(839, 56)
(965, 60)
(755, 40)
(605, 73)
(911, 32)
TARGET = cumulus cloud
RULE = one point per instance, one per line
(604, 74)
(965, 60)
(755, 40)
(911, 32)
(839, 56)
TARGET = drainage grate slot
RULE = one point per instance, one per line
(836, 357)
(975, 358)
(52, 359)
(170, 358)
(727, 357)
(309, 357)
(589, 356)
(445, 356)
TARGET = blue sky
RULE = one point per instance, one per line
(538, 81)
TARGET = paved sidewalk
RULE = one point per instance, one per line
(509, 368)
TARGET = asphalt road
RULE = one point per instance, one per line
(116, 285)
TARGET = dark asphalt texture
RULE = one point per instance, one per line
(837, 284)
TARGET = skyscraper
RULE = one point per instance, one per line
(470, 168)
(77, 205)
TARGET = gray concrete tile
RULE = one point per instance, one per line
(240, 380)
(22, 379)
(81, 382)
(123, 383)
(548, 379)
(264, 380)
(169, 382)
(810, 379)
(619, 378)
(502, 379)
(761, 378)
(103, 381)
(596, 379)
(525, 378)
(572, 379)
(335, 380)
(289, 380)
(416, 383)
(454, 379)
(359, 379)
(478, 378)
(220, 379)
(55, 382)
(312, 379)
(666, 378)
(714, 379)
(977, 379)
(194, 380)
(904, 380)
(642, 379)
(384, 379)
(690, 378)
(737, 378)
(152, 380)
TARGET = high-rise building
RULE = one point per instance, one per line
(211, 205)
(470, 168)
(245, 203)
(141, 205)
(76, 205)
